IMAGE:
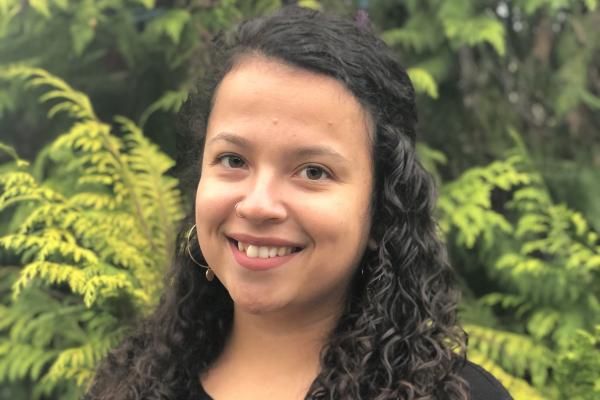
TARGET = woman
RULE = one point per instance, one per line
(313, 269)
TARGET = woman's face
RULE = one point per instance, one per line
(282, 207)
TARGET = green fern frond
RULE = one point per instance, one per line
(148, 4)
(420, 33)
(53, 273)
(158, 192)
(94, 239)
(49, 243)
(517, 387)
(578, 366)
(13, 154)
(423, 82)
(41, 6)
(517, 354)
(543, 321)
(78, 362)
(92, 200)
(39, 325)
(105, 286)
(466, 203)
(18, 361)
(312, 4)
(506, 301)
(574, 85)
(170, 101)
(169, 23)
(540, 281)
(17, 187)
(75, 103)
(558, 249)
(89, 136)
(463, 27)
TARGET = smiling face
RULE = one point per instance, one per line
(282, 207)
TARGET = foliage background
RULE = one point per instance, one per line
(509, 93)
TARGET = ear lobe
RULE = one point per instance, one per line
(372, 244)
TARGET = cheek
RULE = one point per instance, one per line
(339, 235)
(213, 204)
(343, 221)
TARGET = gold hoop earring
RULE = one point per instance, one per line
(209, 274)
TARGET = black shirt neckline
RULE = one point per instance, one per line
(483, 385)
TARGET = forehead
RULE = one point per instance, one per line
(268, 90)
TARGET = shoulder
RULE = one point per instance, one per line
(482, 384)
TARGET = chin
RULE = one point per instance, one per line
(256, 303)
(253, 296)
(257, 307)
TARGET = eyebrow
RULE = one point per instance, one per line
(231, 138)
(306, 151)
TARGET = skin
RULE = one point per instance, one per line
(265, 114)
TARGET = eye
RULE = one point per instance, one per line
(231, 161)
(314, 173)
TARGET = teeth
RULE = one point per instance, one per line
(263, 252)
(253, 251)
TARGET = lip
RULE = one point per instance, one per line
(258, 264)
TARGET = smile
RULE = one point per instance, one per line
(261, 257)
(254, 251)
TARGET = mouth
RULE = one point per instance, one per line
(263, 251)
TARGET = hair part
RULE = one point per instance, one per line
(398, 335)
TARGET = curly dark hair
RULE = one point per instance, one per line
(398, 336)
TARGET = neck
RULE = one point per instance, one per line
(270, 355)
(269, 342)
(278, 340)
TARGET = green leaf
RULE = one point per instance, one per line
(41, 6)
(170, 23)
(82, 34)
(477, 30)
(149, 4)
(590, 100)
(312, 4)
(591, 5)
(13, 154)
(423, 82)
(420, 33)
(170, 101)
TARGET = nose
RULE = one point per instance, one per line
(262, 201)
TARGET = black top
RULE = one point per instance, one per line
(483, 385)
